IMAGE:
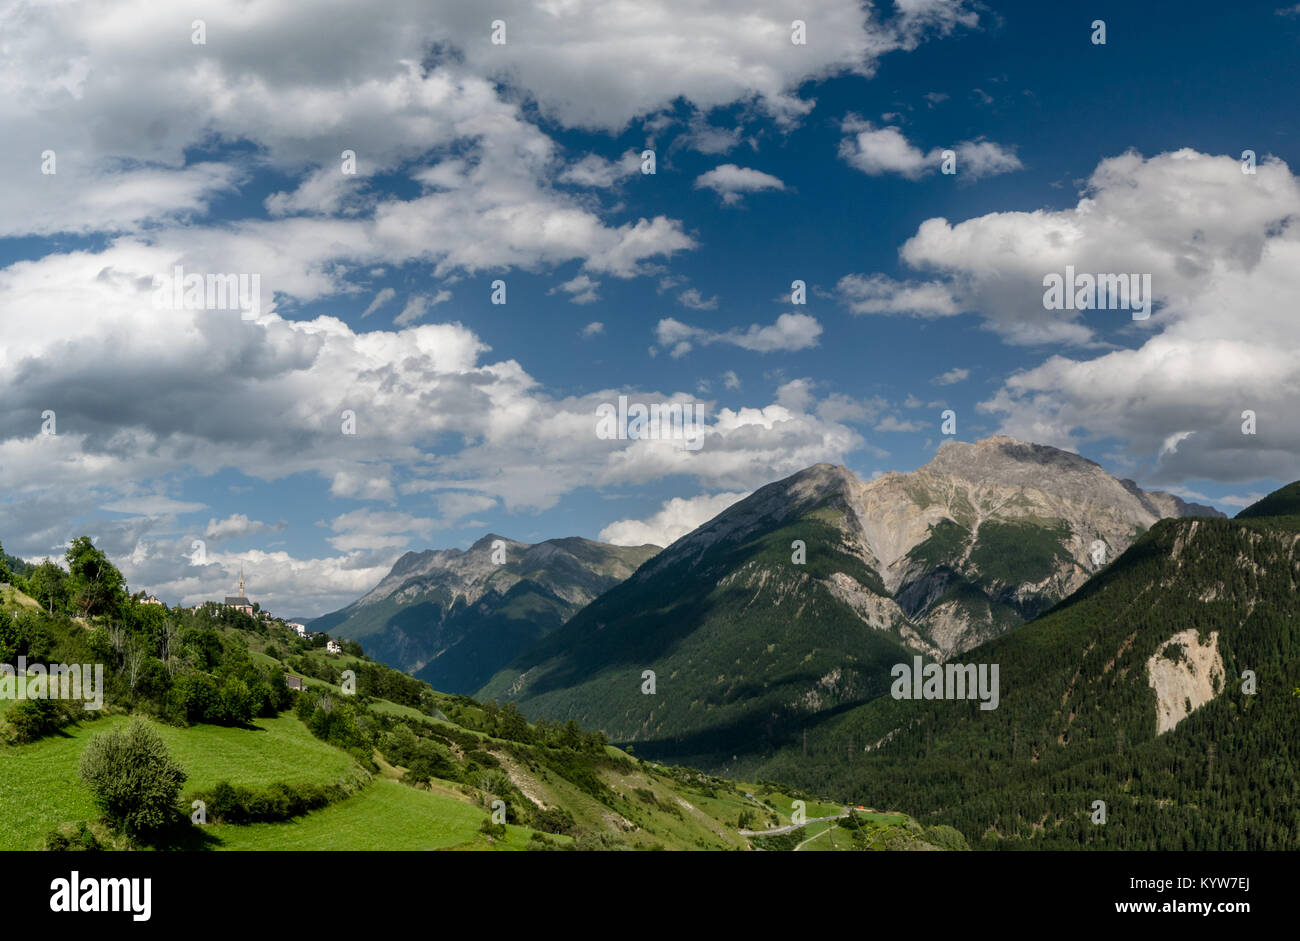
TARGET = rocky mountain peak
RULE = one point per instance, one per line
(1003, 456)
(816, 483)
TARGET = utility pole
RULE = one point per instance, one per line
(805, 743)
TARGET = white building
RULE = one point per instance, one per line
(333, 646)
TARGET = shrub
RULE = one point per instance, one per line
(539, 842)
(195, 696)
(33, 718)
(430, 760)
(482, 758)
(231, 803)
(79, 840)
(133, 778)
(946, 837)
(552, 820)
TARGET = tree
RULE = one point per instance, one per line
(9, 638)
(135, 658)
(133, 778)
(48, 584)
(148, 621)
(97, 586)
(235, 701)
(512, 725)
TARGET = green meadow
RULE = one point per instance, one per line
(384, 816)
(40, 787)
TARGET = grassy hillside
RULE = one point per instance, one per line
(368, 759)
(39, 786)
(385, 816)
(626, 804)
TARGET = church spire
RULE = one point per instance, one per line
(241, 582)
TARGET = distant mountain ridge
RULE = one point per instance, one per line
(746, 640)
(453, 617)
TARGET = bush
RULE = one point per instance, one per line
(946, 837)
(482, 758)
(552, 820)
(235, 703)
(79, 840)
(231, 803)
(430, 760)
(195, 696)
(539, 842)
(33, 718)
(133, 778)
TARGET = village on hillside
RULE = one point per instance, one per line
(240, 602)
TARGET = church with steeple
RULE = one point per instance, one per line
(240, 601)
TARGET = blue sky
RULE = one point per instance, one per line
(521, 162)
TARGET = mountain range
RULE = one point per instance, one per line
(796, 601)
(1145, 650)
(784, 605)
(453, 618)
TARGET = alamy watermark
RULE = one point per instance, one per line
(666, 421)
(1084, 291)
(181, 291)
(75, 894)
(80, 681)
(946, 681)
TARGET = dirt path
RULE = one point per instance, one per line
(527, 786)
(811, 838)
